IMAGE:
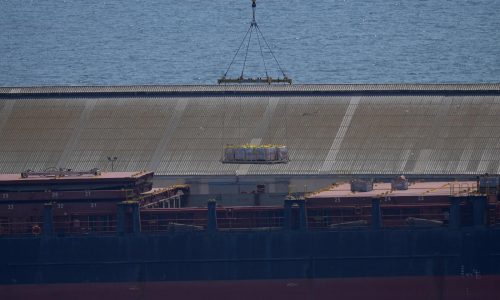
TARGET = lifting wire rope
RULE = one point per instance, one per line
(254, 27)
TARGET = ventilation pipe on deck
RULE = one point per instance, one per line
(136, 218)
(212, 215)
(120, 218)
(376, 216)
(128, 217)
(479, 210)
(454, 221)
(293, 221)
(48, 224)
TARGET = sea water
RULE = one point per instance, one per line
(113, 42)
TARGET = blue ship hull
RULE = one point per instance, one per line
(441, 263)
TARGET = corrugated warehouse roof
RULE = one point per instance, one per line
(449, 129)
(252, 88)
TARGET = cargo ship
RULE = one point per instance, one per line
(110, 235)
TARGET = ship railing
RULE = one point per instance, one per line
(342, 217)
(415, 217)
(461, 189)
(84, 226)
(325, 222)
(65, 227)
(250, 223)
(166, 224)
(246, 229)
(21, 228)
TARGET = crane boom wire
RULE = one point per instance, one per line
(270, 50)
(246, 53)
(262, 54)
(237, 51)
(254, 27)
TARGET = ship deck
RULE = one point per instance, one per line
(12, 178)
(423, 189)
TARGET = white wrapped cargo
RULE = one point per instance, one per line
(270, 153)
(239, 153)
(258, 154)
(282, 153)
(261, 153)
(229, 154)
(250, 153)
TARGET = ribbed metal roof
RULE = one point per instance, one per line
(182, 134)
(252, 88)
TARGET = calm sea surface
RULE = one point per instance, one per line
(115, 42)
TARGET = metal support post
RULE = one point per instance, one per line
(212, 215)
(302, 215)
(376, 215)
(48, 224)
(288, 222)
(136, 218)
(256, 199)
(287, 215)
(112, 160)
(128, 218)
(120, 218)
(454, 221)
(479, 210)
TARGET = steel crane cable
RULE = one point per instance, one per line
(270, 50)
(262, 54)
(237, 51)
(246, 54)
(257, 32)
